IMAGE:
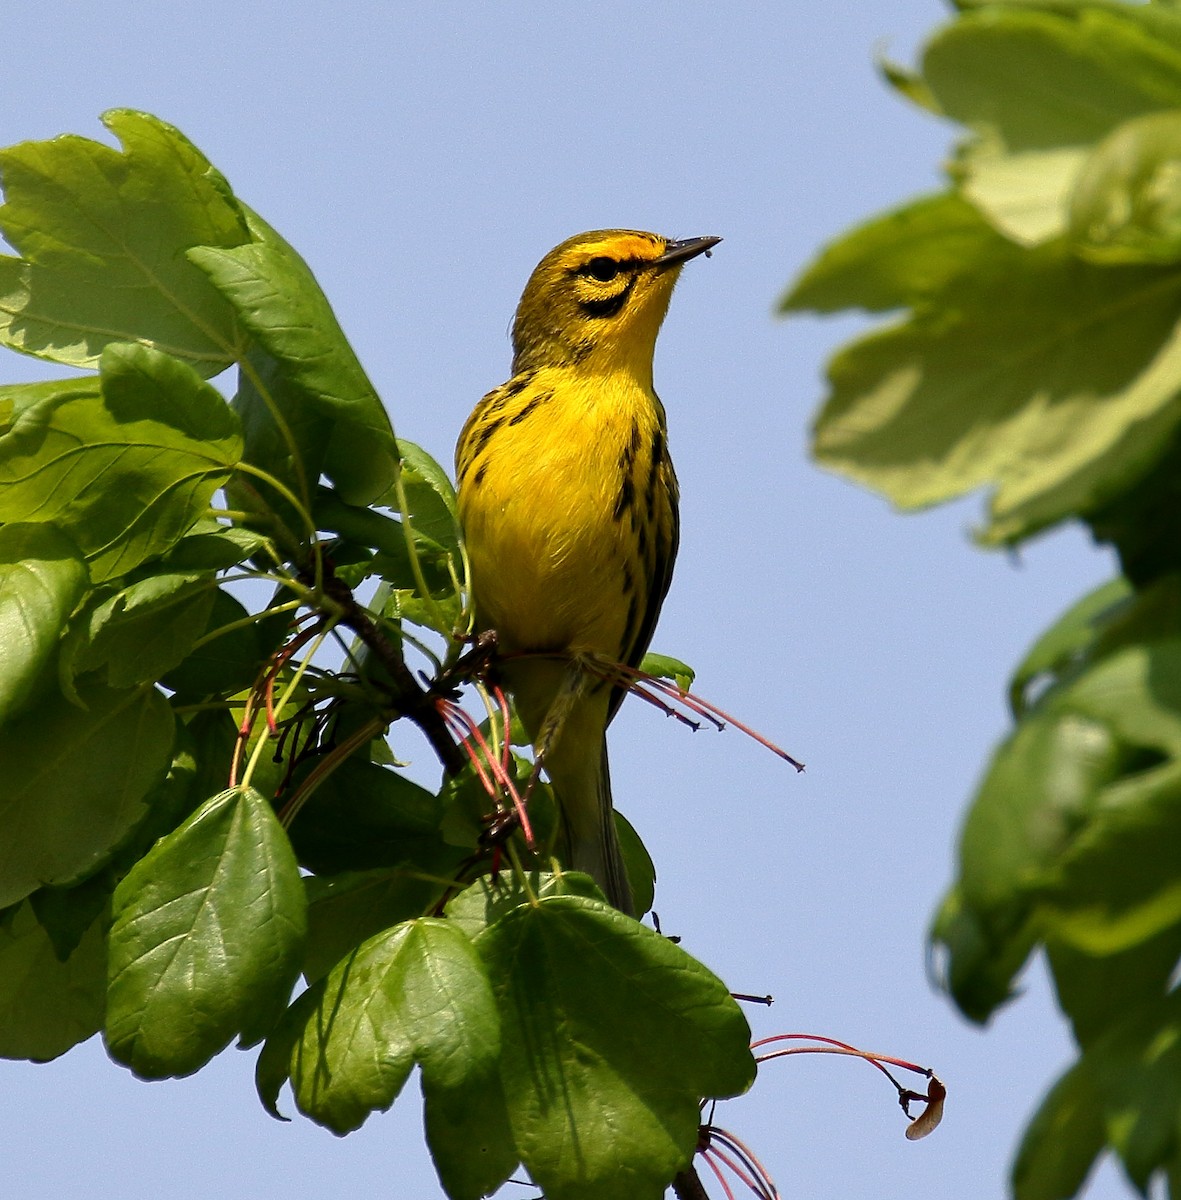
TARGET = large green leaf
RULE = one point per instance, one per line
(42, 578)
(1088, 783)
(1098, 991)
(124, 473)
(1041, 89)
(988, 388)
(278, 299)
(207, 938)
(612, 1035)
(1137, 1070)
(103, 236)
(1066, 645)
(898, 259)
(48, 1004)
(417, 993)
(76, 782)
(1062, 1141)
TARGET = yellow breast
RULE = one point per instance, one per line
(560, 500)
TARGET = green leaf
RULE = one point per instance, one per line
(896, 260)
(489, 899)
(1063, 1140)
(1065, 645)
(279, 301)
(103, 235)
(214, 547)
(1126, 205)
(413, 994)
(664, 667)
(347, 909)
(1088, 782)
(1094, 901)
(611, 1035)
(42, 578)
(48, 1005)
(125, 474)
(982, 952)
(1091, 900)
(207, 938)
(1041, 90)
(430, 497)
(1042, 81)
(1026, 196)
(1099, 991)
(1040, 789)
(989, 389)
(77, 782)
(224, 663)
(66, 914)
(285, 436)
(365, 527)
(1137, 1070)
(364, 816)
(143, 630)
(641, 870)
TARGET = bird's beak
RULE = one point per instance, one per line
(681, 251)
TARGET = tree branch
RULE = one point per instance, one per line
(409, 697)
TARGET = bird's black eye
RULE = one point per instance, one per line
(603, 269)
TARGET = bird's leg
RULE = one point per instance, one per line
(571, 691)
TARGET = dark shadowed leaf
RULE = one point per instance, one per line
(612, 1035)
(48, 1005)
(76, 783)
(207, 938)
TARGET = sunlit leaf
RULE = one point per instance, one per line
(1126, 205)
(989, 390)
(103, 235)
(125, 473)
(145, 629)
(278, 299)
(42, 578)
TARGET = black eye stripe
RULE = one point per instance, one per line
(608, 306)
(621, 265)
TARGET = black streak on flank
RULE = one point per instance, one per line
(536, 402)
(627, 497)
(609, 305)
(655, 464)
(630, 631)
(478, 478)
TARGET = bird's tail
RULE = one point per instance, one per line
(567, 720)
(596, 850)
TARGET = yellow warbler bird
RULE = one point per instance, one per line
(568, 504)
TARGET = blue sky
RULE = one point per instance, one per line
(422, 158)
